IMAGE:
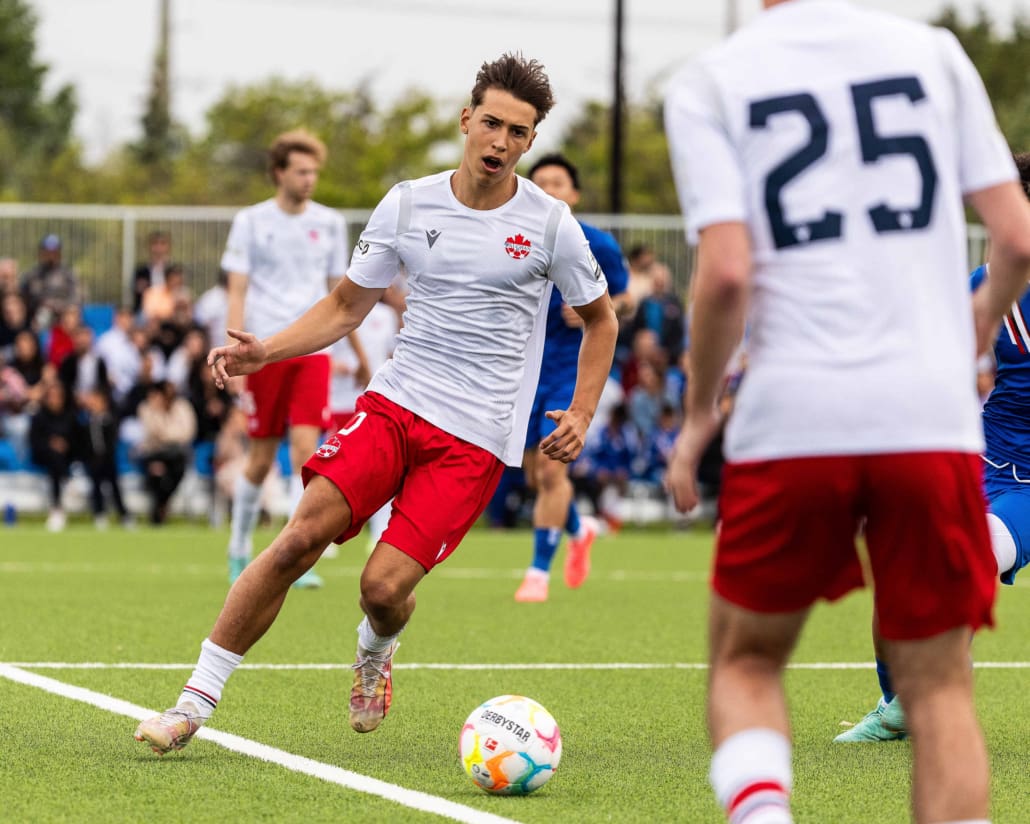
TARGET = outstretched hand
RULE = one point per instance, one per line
(242, 358)
(566, 442)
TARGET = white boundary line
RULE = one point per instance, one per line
(125, 665)
(296, 763)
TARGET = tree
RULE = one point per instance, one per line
(159, 141)
(34, 130)
(1004, 65)
(647, 176)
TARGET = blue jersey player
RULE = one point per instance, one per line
(1006, 422)
(555, 507)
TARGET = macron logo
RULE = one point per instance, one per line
(431, 236)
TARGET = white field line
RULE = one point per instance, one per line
(296, 763)
(333, 570)
(801, 665)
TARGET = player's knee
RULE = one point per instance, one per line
(382, 594)
(298, 545)
(551, 475)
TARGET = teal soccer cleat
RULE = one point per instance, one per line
(885, 723)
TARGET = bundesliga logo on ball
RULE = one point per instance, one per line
(510, 745)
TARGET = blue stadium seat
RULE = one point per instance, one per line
(98, 316)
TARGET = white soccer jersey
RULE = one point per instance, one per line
(287, 260)
(468, 355)
(378, 334)
(844, 139)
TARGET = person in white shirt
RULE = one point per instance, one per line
(282, 256)
(211, 308)
(482, 248)
(821, 156)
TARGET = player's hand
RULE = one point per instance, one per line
(681, 477)
(566, 442)
(242, 358)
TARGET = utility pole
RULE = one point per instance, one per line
(615, 175)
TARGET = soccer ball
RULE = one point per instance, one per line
(510, 745)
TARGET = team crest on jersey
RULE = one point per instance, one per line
(313, 234)
(517, 247)
(329, 448)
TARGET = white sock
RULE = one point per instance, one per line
(204, 689)
(533, 572)
(369, 641)
(296, 490)
(1002, 542)
(246, 504)
(751, 776)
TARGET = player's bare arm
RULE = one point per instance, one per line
(337, 314)
(1005, 212)
(722, 284)
(600, 329)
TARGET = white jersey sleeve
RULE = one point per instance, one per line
(375, 262)
(573, 268)
(236, 257)
(704, 161)
(983, 154)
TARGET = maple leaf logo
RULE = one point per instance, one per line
(517, 247)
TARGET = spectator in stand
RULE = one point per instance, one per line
(231, 457)
(53, 433)
(186, 358)
(659, 445)
(646, 399)
(60, 342)
(33, 375)
(14, 317)
(211, 308)
(662, 312)
(169, 427)
(612, 463)
(82, 370)
(49, 287)
(120, 354)
(646, 349)
(210, 404)
(160, 299)
(100, 455)
(152, 272)
(8, 276)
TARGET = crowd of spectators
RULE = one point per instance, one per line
(138, 396)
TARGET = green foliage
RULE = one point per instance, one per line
(1004, 64)
(34, 130)
(646, 175)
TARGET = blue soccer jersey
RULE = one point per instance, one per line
(1006, 416)
(1006, 420)
(561, 345)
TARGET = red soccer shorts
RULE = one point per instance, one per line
(789, 527)
(292, 392)
(440, 484)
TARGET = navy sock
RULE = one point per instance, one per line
(545, 545)
(572, 521)
(885, 681)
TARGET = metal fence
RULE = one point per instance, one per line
(104, 243)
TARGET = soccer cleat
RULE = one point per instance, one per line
(577, 559)
(533, 589)
(309, 580)
(372, 689)
(172, 729)
(236, 567)
(885, 723)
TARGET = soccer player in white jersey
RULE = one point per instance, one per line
(482, 249)
(821, 155)
(282, 256)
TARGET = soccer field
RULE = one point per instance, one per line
(98, 627)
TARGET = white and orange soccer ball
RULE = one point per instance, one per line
(510, 745)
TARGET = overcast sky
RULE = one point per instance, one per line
(106, 47)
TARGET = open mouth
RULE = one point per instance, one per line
(492, 164)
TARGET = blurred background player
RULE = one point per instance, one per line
(482, 249)
(282, 257)
(555, 505)
(1006, 421)
(826, 189)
